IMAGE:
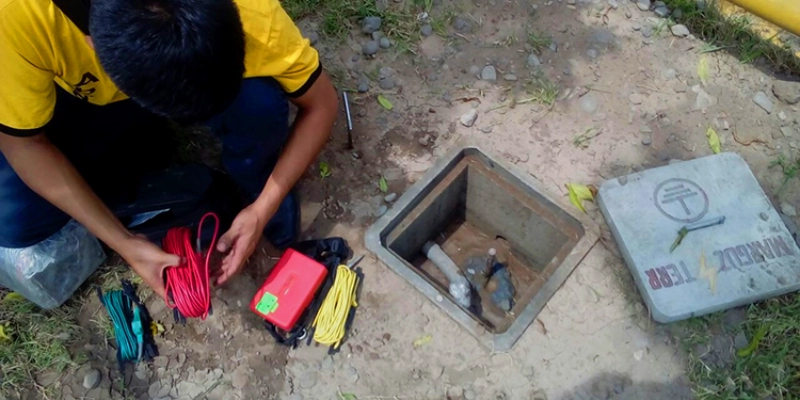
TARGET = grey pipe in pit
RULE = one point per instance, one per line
(459, 286)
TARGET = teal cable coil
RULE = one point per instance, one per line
(127, 325)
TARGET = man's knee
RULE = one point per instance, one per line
(25, 218)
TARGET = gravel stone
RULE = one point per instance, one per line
(469, 394)
(510, 77)
(588, 104)
(647, 140)
(613, 4)
(489, 74)
(390, 197)
(91, 379)
(636, 27)
(740, 341)
(363, 87)
(636, 98)
(462, 25)
(385, 43)
(426, 30)
(474, 70)
(763, 101)
(680, 87)
(628, 14)
(680, 30)
(469, 118)
(662, 11)
(381, 210)
(786, 91)
(592, 53)
(371, 24)
(643, 5)
(787, 131)
(647, 32)
(369, 48)
(533, 61)
(553, 46)
(386, 83)
(788, 209)
(376, 36)
(668, 74)
(309, 379)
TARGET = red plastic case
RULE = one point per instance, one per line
(288, 289)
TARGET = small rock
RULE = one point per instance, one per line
(636, 98)
(462, 25)
(376, 36)
(160, 361)
(510, 77)
(371, 24)
(386, 83)
(423, 141)
(571, 2)
(474, 70)
(662, 11)
(489, 74)
(369, 48)
(153, 390)
(469, 394)
(680, 87)
(787, 131)
(363, 87)
(591, 53)
(455, 392)
(239, 377)
(469, 118)
(763, 101)
(788, 209)
(628, 14)
(613, 4)
(782, 116)
(588, 104)
(355, 58)
(533, 61)
(680, 30)
(352, 374)
(740, 341)
(313, 37)
(647, 32)
(647, 140)
(668, 74)
(382, 209)
(91, 379)
(643, 5)
(787, 91)
(553, 46)
(677, 14)
(308, 379)
(704, 100)
(426, 30)
(636, 27)
(385, 43)
(390, 197)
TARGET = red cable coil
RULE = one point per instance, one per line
(188, 285)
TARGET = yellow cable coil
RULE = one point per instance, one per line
(332, 315)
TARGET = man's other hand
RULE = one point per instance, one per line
(239, 242)
(149, 262)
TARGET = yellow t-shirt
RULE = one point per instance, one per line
(40, 45)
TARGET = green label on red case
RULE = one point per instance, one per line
(267, 304)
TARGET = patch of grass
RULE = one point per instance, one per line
(37, 342)
(734, 33)
(789, 169)
(538, 41)
(582, 140)
(772, 370)
(660, 27)
(542, 90)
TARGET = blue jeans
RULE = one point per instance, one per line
(113, 145)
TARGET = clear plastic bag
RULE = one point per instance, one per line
(48, 272)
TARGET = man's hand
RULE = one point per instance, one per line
(239, 242)
(149, 262)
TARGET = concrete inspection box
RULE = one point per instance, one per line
(749, 257)
(467, 203)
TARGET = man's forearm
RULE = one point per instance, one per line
(309, 134)
(48, 173)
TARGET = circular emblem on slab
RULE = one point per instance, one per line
(681, 200)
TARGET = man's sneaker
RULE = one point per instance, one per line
(284, 227)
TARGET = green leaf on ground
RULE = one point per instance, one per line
(760, 333)
(385, 103)
(324, 170)
(383, 185)
(713, 140)
(422, 341)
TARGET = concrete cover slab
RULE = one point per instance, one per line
(749, 257)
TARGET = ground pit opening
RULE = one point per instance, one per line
(473, 207)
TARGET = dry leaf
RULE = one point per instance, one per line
(157, 328)
(713, 140)
(385, 103)
(422, 341)
(578, 193)
(702, 70)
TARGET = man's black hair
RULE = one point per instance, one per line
(182, 59)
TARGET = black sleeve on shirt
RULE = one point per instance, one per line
(20, 132)
(311, 79)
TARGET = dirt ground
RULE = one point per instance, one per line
(619, 73)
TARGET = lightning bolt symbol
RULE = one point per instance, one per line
(708, 273)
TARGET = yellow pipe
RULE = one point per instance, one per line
(783, 13)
